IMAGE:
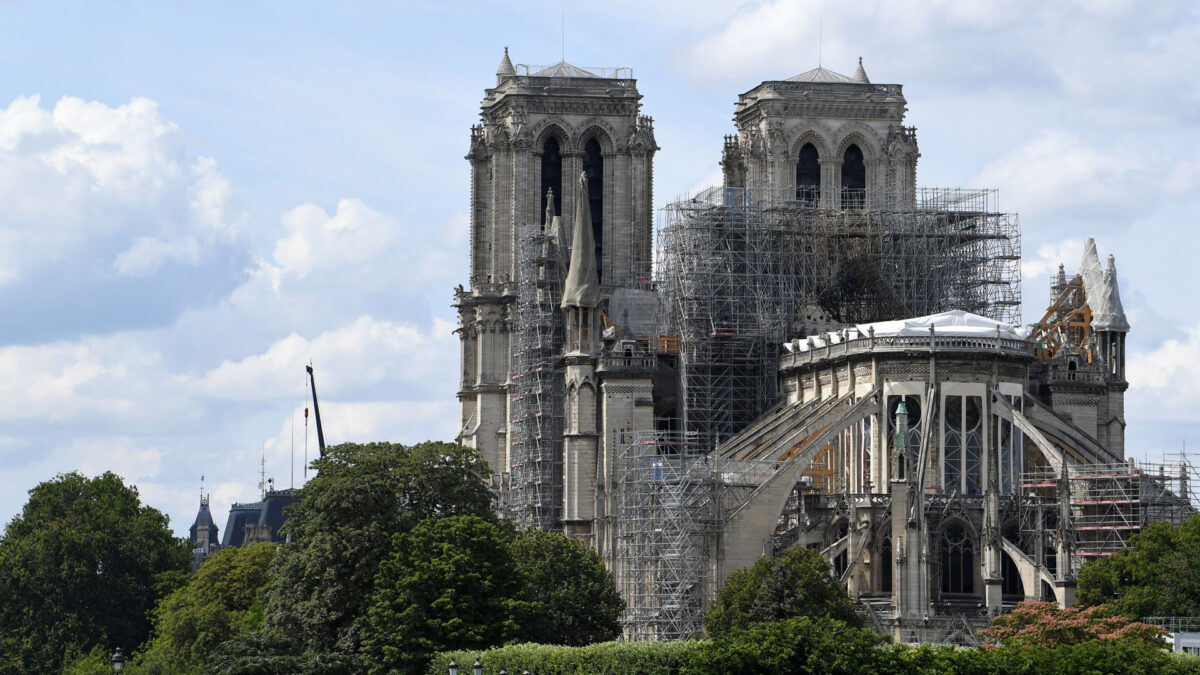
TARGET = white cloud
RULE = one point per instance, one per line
(83, 380)
(148, 253)
(1059, 171)
(1167, 380)
(1039, 267)
(83, 180)
(357, 355)
(353, 235)
(120, 454)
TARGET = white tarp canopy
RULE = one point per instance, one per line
(1103, 294)
(953, 323)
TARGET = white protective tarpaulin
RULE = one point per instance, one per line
(952, 323)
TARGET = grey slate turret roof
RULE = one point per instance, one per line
(203, 521)
(506, 67)
(860, 74)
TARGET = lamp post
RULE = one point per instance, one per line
(118, 660)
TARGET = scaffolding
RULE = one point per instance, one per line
(1109, 503)
(533, 497)
(667, 516)
(741, 274)
(674, 494)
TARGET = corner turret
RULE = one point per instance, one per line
(505, 70)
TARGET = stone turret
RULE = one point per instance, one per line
(505, 70)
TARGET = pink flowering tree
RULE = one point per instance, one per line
(1043, 624)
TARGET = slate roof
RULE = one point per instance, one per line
(563, 69)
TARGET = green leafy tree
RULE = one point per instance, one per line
(796, 645)
(797, 583)
(1158, 575)
(269, 652)
(342, 529)
(220, 601)
(579, 599)
(451, 583)
(80, 568)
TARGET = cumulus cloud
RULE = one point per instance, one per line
(317, 241)
(1166, 379)
(1060, 172)
(357, 355)
(1045, 261)
(94, 193)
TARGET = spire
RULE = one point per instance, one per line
(583, 286)
(506, 68)
(860, 75)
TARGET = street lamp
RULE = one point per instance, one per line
(453, 667)
(118, 660)
(478, 667)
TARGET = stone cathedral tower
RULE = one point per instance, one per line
(826, 139)
(540, 128)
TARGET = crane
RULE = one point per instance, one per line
(316, 411)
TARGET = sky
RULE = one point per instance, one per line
(197, 199)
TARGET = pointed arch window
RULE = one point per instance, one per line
(551, 176)
(808, 176)
(958, 560)
(854, 178)
(962, 449)
(593, 166)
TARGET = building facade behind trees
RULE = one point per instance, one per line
(825, 355)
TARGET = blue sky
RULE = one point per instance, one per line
(197, 198)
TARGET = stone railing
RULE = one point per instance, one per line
(808, 352)
(621, 361)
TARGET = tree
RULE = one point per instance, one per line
(1043, 624)
(1158, 575)
(343, 527)
(579, 599)
(220, 601)
(80, 568)
(450, 584)
(797, 583)
(797, 645)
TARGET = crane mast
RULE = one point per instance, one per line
(316, 411)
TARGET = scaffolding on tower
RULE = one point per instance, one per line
(741, 273)
(533, 494)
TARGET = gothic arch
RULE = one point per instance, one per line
(572, 410)
(958, 557)
(885, 554)
(600, 130)
(553, 126)
(810, 135)
(861, 135)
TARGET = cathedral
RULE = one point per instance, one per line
(815, 353)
